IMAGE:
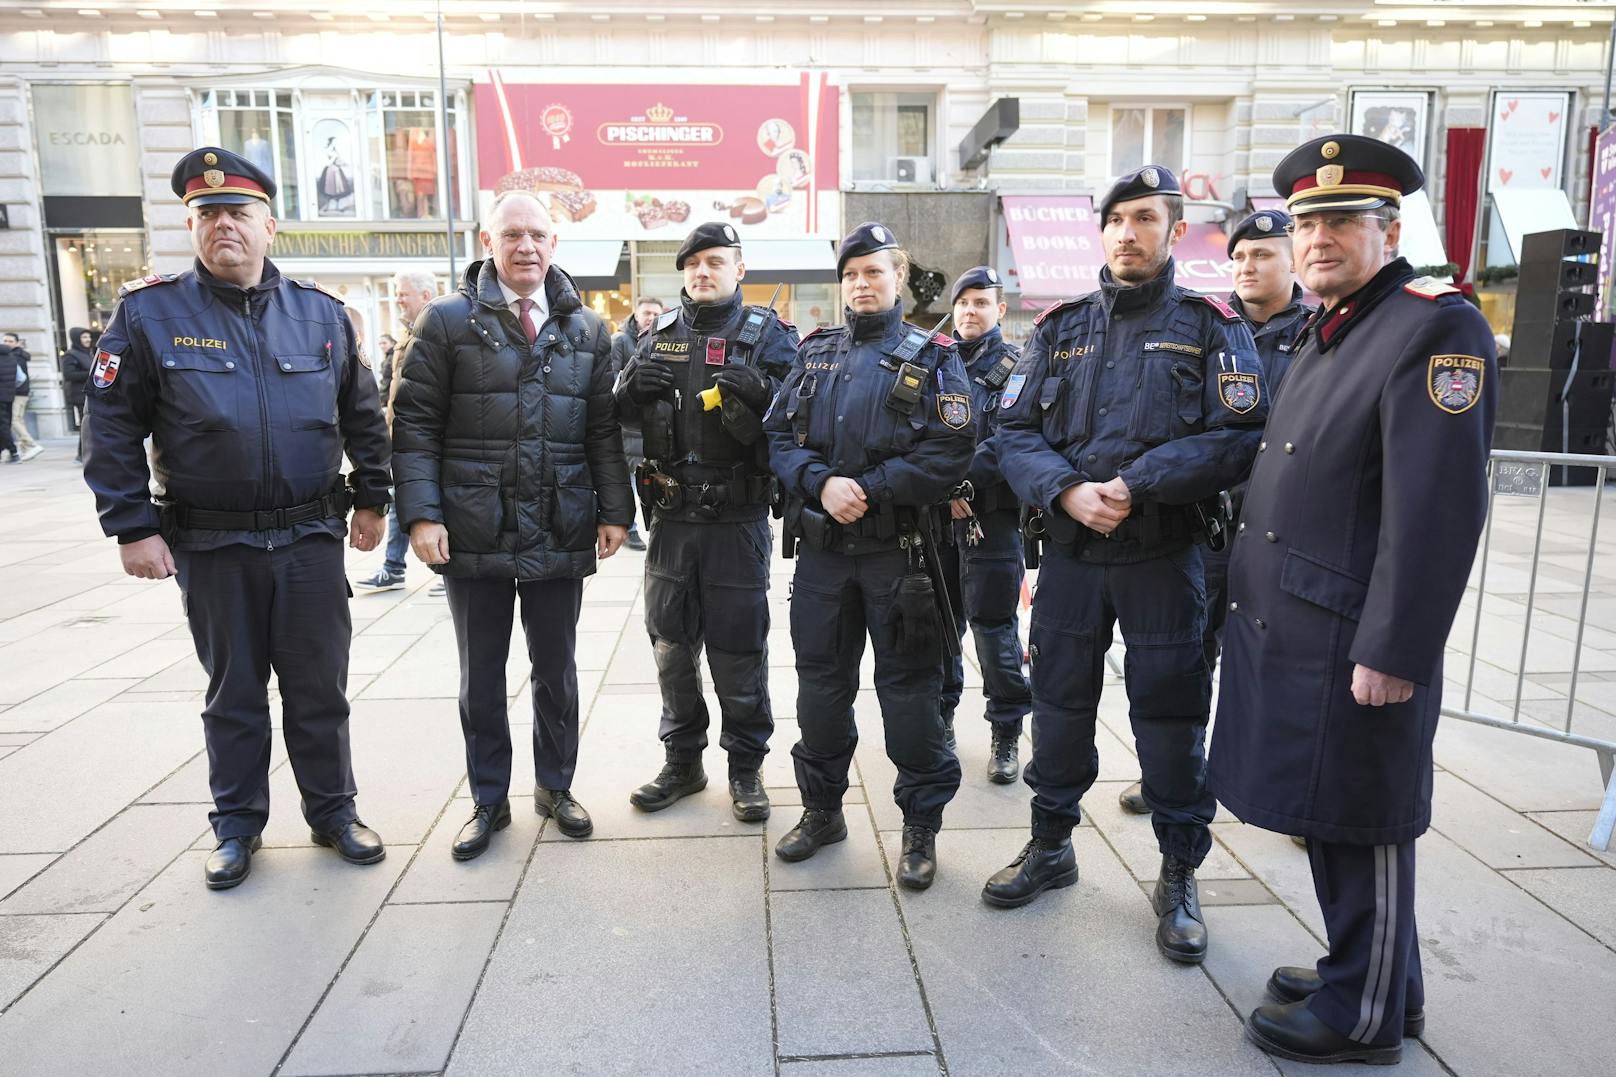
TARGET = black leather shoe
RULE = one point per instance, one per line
(1041, 865)
(479, 829)
(748, 799)
(1290, 1030)
(1132, 800)
(231, 862)
(1003, 765)
(948, 733)
(673, 782)
(634, 541)
(1180, 931)
(816, 827)
(569, 815)
(918, 867)
(355, 842)
(1289, 983)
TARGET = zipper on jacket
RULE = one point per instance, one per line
(263, 403)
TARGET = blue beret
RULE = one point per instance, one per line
(1148, 181)
(867, 238)
(979, 277)
(1264, 224)
(703, 236)
(1351, 172)
(211, 176)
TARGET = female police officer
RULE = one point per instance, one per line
(871, 428)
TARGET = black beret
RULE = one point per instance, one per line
(211, 176)
(1345, 172)
(867, 238)
(1148, 181)
(711, 234)
(1264, 224)
(979, 277)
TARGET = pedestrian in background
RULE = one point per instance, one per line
(647, 309)
(76, 365)
(24, 445)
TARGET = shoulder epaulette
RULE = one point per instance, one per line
(316, 286)
(818, 329)
(1429, 288)
(1052, 308)
(666, 318)
(145, 282)
(1229, 313)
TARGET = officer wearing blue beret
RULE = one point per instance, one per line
(1360, 524)
(983, 564)
(1130, 406)
(871, 429)
(697, 388)
(251, 388)
(1267, 296)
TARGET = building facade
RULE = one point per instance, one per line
(638, 121)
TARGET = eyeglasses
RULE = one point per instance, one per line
(1334, 223)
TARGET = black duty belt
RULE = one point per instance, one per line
(1152, 528)
(331, 506)
(741, 488)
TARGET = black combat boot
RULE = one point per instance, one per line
(1003, 764)
(1180, 932)
(816, 827)
(748, 799)
(674, 782)
(1291, 1030)
(1043, 863)
(1132, 800)
(918, 867)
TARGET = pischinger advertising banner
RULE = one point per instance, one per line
(652, 161)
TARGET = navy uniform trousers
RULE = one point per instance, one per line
(984, 583)
(1372, 972)
(1160, 604)
(252, 610)
(706, 584)
(483, 610)
(836, 599)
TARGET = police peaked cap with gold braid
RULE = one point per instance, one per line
(211, 176)
(1346, 172)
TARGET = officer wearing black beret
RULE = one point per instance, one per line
(983, 565)
(1360, 524)
(251, 388)
(1130, 406)
(870, 431)
(697, 387)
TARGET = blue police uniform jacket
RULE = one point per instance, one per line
(695, 445)
(251, 397)
(837, 414)
(1277, 338)
(1154, 383)
(989, 361)
(1360, 525)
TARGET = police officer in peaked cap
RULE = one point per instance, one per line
(871, 430)
(251, 388)
(1360, 524)
(697, 388)
(1130, 406)
(983, 564)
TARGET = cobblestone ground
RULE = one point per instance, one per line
(675, 943)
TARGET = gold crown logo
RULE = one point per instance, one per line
(659, 113)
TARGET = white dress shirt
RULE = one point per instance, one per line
(541, 304)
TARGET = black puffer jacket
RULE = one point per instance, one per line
(513, 447)
(623, 347)
(76, 366)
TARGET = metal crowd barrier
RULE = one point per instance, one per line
(1527, 475)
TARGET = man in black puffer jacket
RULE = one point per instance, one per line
(510, 479)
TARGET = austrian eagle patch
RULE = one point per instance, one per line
(1239, 391)
(1455, 382)
(954, 409)
(105, 371)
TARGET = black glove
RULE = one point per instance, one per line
(746, 384)
(916, 625)
(649, 381)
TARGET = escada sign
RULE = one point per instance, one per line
(74, 160)
(86, 138)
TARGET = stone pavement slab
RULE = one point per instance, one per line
(18, 868)
(852, 864)
(1585, 896)
(435, 876)
(628, 957)
(109, 866)
(919, 1065)
(397, 1005)
(29, 947)
(1499, 837)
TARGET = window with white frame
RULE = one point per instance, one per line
(893, 136)
(369, 155)
(1148, 135)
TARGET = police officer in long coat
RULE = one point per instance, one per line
(1130, 406)
(1360, 524)
(871, 429)
(983, 564)
(251, 388)
(696, 390)
(1267, 296)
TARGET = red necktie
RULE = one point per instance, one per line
(525, 305)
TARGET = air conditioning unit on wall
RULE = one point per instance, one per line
(911, 170)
